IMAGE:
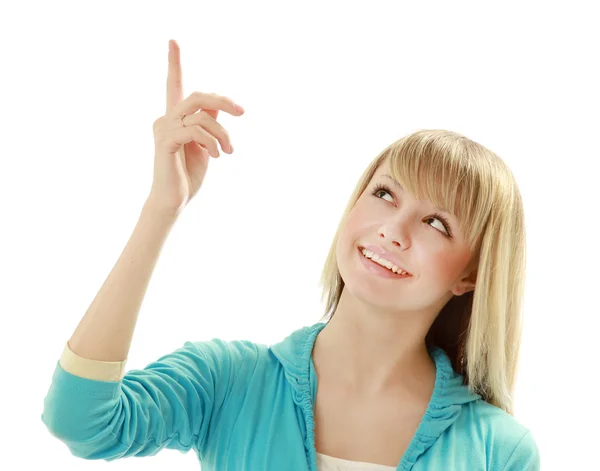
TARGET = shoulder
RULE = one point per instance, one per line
(240, 361)
(223, 366)
(509, 444)
(226, 354)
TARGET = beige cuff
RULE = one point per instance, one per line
(91, 369)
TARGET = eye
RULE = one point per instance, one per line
(444, 222)
(380, 187)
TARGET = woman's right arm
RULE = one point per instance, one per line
(171, 402)
(174, 402)
(97, 416)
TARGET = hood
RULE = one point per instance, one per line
(449, 394)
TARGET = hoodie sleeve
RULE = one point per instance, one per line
(91, 369)
(174, 402)
(525, 456)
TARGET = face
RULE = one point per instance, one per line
(432, 250)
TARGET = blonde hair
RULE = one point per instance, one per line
(480, 330)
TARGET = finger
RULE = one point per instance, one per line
(206, 121)
(197, 134)
(207, 101)
(174, 78)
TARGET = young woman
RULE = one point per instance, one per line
(413, 369)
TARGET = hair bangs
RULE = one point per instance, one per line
(438, 166)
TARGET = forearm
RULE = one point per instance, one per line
(106, 330)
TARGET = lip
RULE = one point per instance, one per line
(377, 269)
(385, 254)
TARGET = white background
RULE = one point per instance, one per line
(326, 86)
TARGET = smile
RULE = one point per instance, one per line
(375, 266)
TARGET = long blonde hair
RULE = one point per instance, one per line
(480, 330)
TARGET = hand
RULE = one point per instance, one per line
(181, 154)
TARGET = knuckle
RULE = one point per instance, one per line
(198, 134)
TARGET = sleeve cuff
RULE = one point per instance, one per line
(91, 369)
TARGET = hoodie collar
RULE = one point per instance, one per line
(449, 394)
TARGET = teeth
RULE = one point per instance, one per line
(383, 262)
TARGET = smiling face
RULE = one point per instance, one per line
(431, 248)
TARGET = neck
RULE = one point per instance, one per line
(369, 354)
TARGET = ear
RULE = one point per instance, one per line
(466, 284)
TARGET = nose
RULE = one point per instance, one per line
(398, 240)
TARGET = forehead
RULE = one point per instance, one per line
(383, 174)
(383, 168)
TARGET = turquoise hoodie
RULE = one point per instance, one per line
(243, 406)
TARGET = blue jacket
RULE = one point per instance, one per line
(243, 406)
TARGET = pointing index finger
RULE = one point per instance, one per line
(174, 79)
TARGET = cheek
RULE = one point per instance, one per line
(351, 227)
(444, 267)
(360, 218)
(349, 237)
(447, 267)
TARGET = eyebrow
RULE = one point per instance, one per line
(401, 188)
(395, 182)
